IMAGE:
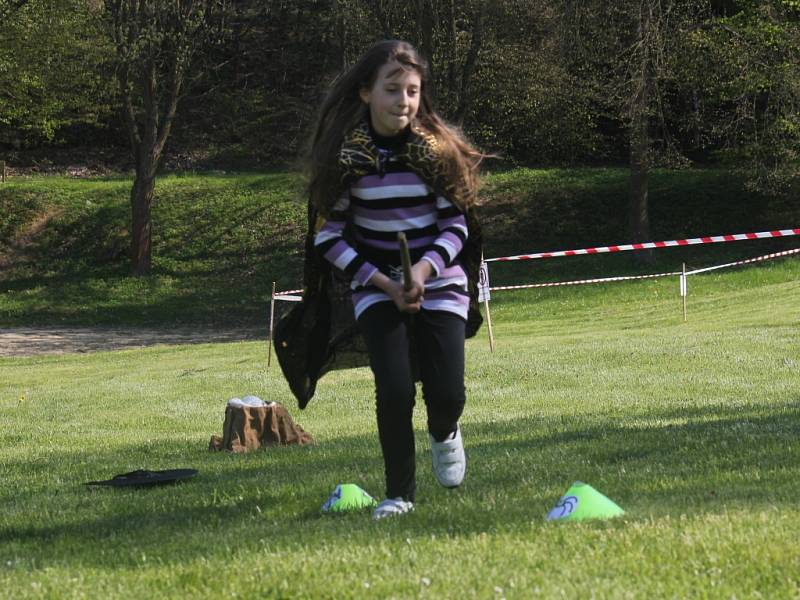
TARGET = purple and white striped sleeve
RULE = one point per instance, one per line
(453, 233)
(331, 244)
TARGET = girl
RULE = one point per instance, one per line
(381, 162)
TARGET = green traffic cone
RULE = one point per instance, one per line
(347, 497)
(582, 502)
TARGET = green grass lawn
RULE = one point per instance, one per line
(691, 427)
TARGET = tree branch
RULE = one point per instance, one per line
(10, 9)
(383, 18)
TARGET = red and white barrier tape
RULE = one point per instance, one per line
(745, 262)
(292, 295)
(648, 245)
(580, 281)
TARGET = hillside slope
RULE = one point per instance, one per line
(221, 240)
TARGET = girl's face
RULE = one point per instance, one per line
(393, 99)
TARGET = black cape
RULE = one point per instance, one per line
(320, 333)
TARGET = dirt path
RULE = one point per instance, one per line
(30, 341)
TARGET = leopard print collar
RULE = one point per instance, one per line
(359, 156)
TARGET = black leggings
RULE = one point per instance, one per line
(437, 340)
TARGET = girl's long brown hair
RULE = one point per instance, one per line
(343, 109)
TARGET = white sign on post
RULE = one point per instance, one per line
(483, 283)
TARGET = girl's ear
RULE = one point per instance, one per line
(365, 95)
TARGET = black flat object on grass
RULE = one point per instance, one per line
(146, 478)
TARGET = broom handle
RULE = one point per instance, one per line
(405, 259)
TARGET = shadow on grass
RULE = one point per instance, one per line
(668, 463)
(685, 445)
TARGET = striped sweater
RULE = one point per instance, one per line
(360, 236)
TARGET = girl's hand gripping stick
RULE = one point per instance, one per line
(405, 260)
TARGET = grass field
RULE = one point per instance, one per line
(691, 427)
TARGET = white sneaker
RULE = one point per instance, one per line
(391, 507)
(449, 461)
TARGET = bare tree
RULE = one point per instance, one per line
(630, 48)
(155, 42)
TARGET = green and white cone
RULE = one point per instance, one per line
(347, 497)
(582, 502)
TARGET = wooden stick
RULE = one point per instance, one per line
(482, 283)
(489, 323)
(271, 319)
(405, 259)
(3, 170)
(685, 290)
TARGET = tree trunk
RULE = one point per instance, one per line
(425, 21)
(452, 83)
(383, 18)
(470, 64)
(639, 217)
(142, 196)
